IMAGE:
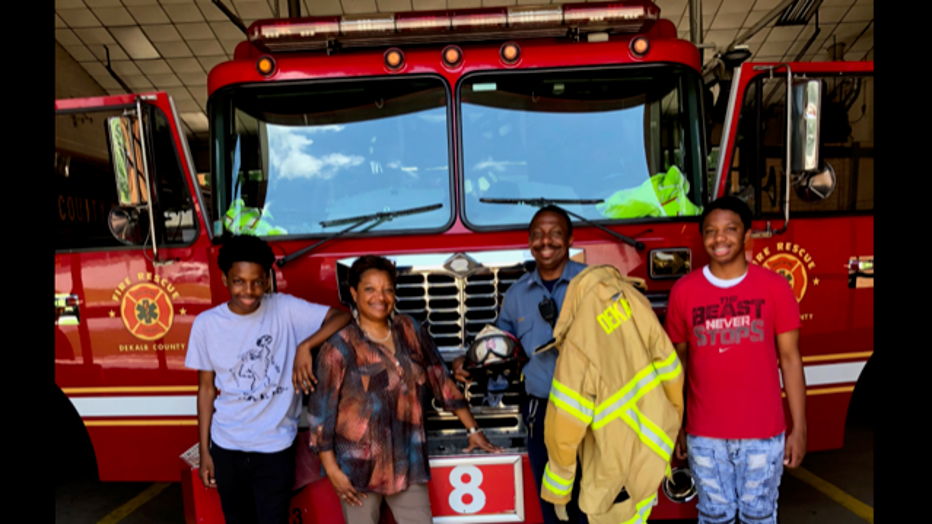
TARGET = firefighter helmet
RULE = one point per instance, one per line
(493, 347)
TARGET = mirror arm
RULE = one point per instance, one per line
(789, 149)
(789, 136)
(145, 169)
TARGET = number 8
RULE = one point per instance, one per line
(466, 488)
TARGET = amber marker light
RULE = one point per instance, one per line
(640, 46)
(452, 56)
(394, 59)
(265, 65)
(510, 52)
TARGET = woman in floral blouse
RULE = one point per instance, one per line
(366, 417)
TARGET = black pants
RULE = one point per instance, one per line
(254, 487)
(537, 454)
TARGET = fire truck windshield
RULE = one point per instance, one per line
(291, 156)
(630, 136)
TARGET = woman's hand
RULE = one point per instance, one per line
(460, 374)
(344, 488)
(478, 440)
(302, 375)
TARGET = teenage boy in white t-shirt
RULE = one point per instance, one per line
(246, 349)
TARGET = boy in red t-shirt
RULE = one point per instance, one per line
(735, 319)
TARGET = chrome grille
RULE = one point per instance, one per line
(454, 295)
(453, 307)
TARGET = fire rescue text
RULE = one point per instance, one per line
(148, 277)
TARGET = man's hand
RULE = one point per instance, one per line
(302, 375)
(794, 383)
(560, 510)
(207, 471)
(680, 451)
(460, 374)
(795, 448)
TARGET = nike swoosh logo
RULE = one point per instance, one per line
(722, 350)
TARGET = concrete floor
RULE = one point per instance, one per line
(851, 469)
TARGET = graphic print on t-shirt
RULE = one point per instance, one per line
(252, 371)
(728, 323)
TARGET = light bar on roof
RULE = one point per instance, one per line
(535, 15)
(454, 25)
(422, 21)
(594, 14)
(368, 24)
(478, 19)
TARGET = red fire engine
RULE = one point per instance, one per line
(430, 137)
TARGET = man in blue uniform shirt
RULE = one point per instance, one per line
(529, 312)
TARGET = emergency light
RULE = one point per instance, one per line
(422, 27)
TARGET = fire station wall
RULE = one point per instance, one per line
(80, 134)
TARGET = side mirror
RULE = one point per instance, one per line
(804, 117)
(125, 225)
(127, 156)
(813, 187)
(804, 108)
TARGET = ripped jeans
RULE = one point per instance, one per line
(736, 478)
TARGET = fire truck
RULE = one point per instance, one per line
(431, 138)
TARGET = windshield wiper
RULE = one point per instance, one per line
(541, 202)
(384, 216)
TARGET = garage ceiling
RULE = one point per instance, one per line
(170, 45)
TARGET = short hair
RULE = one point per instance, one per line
(367, 262)
(728, 203)
(245, 248)
(553, 209)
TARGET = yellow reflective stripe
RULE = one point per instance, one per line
(645, 506)
(653, 427)
(670, 375)
(640, 375)
(606, 419)
(563, 482)
(672, 358)
(644, 438)
(643, 511)
(571, 402)
(554, 489)
(556, 483)
(572, 394)
(585, 419)
(623, 391)
(649, 387)
(601, 420)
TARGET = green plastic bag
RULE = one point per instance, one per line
(664, 194)
(243, 220)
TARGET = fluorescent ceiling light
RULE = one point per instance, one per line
(134, 42)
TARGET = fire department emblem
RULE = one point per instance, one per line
(792, 269)
(790, 261)
(147, 311)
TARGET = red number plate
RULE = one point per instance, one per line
(477, 489)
